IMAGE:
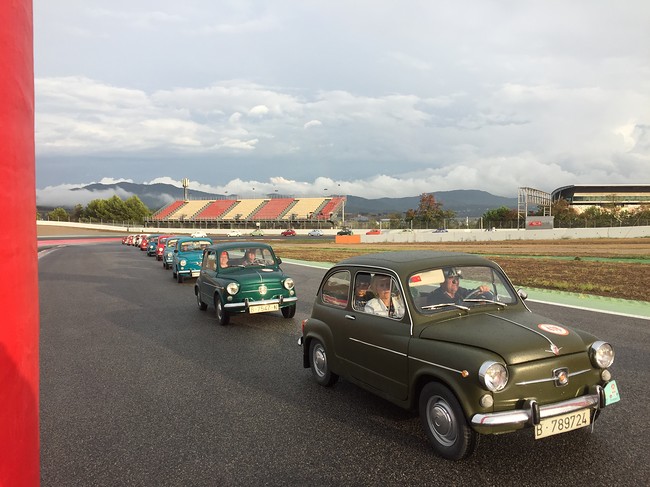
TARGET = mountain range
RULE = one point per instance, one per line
(465, 202)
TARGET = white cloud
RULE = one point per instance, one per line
(489, 95)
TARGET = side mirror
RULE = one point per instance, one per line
(522, 294)
(279, 260)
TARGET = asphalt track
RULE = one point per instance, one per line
(139, 387)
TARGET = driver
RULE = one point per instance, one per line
(250, 257)
(450, 290)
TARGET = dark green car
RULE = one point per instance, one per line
(244, 277)
(447, 334)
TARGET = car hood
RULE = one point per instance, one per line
(517, 336)
(254, 274)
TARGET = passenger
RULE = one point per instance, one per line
(386, 303)
(361, 294)
(450, 290)
(250, 257)
(223, 259)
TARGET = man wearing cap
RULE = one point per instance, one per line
(450, 290)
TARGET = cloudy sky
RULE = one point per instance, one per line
(371, 98)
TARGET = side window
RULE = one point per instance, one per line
(336, 289)
(385, 297)
(209, 261)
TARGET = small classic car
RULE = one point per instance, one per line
(234, 233)
(152, 245)
(345, 231)
(447, 334)
(187, 257)
(244, 277)
(288, 233)
(315, 233)
(160, 248)
(168, 253)
(257, 233)
(374, 231)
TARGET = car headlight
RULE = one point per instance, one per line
(493, 375)
(232, 288)
(183, 262)
(288, 283)
(601, 354)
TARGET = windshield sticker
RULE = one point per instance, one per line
(555, 329)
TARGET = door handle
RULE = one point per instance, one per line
(350, 317)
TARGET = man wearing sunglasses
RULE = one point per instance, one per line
(450, 290)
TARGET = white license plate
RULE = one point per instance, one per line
(562, 424)
(262, 308)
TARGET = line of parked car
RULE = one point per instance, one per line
(442, 333)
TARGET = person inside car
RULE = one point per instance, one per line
(361, 293)
(223, 259)
(387, 301)
(450, 290)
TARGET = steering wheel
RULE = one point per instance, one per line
(476, 293)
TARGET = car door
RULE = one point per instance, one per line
(207, 278)
(376, 346)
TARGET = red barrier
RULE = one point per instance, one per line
(19, 434)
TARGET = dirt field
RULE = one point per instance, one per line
(617, 268)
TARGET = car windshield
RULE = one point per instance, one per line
(461, 287)
(194, 245)
(249, 256)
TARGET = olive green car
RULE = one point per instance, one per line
(447, 334)
(243, 277)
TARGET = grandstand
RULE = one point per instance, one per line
(267, 212)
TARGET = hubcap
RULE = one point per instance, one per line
(320, 360)
(442, 421)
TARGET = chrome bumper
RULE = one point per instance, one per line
(246, 303)
(532, 413)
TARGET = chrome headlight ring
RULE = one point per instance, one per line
(232, 288)
(288, 283)
(601, 354)
(493, 375)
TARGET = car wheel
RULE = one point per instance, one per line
(201, 304)
(174, 273)
(180, 278)
(319, 366)
(223, 317)
(444, 421)
(289, 311)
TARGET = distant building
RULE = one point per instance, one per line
(583, 196)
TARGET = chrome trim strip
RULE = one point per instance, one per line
(550, 379)
(437, 365)
(520, 417)
(377, 346)
(264, 301)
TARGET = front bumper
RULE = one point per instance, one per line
(189, 272)
(243, 305)
(532, 412)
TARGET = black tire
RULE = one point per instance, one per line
(174, 273)
(202, 306)
(289, 311)
(223, 317)
(319, 366)
(445, 424)
(180, 278)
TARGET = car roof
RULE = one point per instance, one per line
(408, 261)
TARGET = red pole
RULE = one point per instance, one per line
(19, 440)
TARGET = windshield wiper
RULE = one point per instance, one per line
(443, 305)
(491, 301)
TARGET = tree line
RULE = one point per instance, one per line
(111, 209)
